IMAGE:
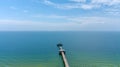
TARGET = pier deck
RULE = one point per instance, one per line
(62, 53)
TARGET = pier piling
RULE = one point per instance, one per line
(62, 53)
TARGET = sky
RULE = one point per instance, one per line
(59, 15)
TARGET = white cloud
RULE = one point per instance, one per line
(25, 11)
(97, 23)
(81, 20)
(16, 25)
(62, 6)
(84, 3)
(103, 2)
(103, 5)
(76, 23)
(85, 6)
(113, 11)
(89, 20)
(78, 1)
(49, 2)
(49, 16)
(12, 7)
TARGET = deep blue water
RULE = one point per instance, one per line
(38, 49)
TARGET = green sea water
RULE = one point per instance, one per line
(38, 49)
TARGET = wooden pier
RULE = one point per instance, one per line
(62, 53)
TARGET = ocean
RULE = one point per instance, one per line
(38, 49)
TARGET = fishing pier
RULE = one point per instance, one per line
(62, 53)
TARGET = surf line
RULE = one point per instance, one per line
(62, 53)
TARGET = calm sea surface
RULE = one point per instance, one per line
(38, 49)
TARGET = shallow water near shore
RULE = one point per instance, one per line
(38, 49)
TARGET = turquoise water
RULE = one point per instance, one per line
(38, 49)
